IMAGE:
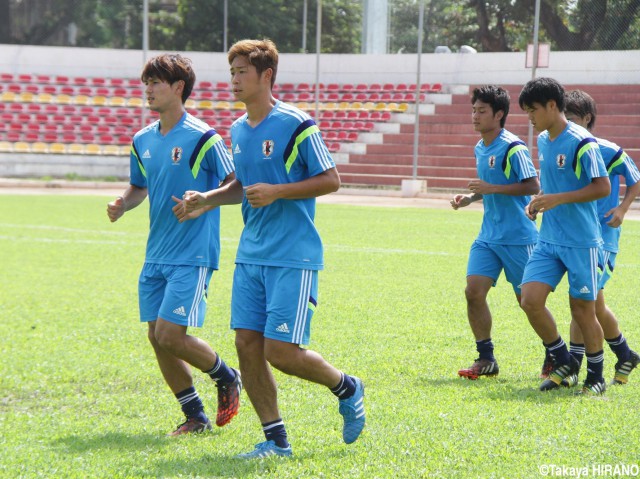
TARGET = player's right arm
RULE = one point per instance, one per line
(228, 193)
(460, 201)
(132, 197)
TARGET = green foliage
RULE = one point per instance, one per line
(81, 395)
(197, 25)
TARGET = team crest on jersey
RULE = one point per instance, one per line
(560, 160)
(492, 161)
(176, 155)
(267, 147)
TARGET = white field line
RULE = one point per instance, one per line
(141, 237)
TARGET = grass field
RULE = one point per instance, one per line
(81, 394)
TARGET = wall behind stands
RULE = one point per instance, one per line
(593, 67)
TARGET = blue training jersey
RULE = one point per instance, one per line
(618, 164)
(505, 161)
(192, 156)
(569, 163)
(286, 147)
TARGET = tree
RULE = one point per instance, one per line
(496, 25)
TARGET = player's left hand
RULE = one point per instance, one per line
(480, 187)
(617, 217)
(260, 194)
(182, 213)
(541, 202)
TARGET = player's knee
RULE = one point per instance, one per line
(474, 295)
(278, 355)
(168, 341)
(530, 305)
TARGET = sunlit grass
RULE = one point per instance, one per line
(81, 394)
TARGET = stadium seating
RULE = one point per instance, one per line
(66, 115)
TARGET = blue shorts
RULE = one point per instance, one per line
(174, 293)
(606, 264)
(278, 302)
(487, 259)
(549, 262)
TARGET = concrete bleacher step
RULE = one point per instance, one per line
(446, 139)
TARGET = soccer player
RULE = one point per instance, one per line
(506, 179)
(581, 109)
(282, 164)
(573, 177)
(176, 153)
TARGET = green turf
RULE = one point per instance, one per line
(81, 394)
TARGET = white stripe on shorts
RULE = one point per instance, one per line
(594, 270)
(197, 297)
(303, 306)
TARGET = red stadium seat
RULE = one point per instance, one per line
(61, 80)
(116, 82)
(124, 139)
(305, 96)
(333, 147)
(80, 81)
(98, 81)
(119, 91)
(13, 136)
(330, 135)
(222, 85)
(6, 77)
(287, 87)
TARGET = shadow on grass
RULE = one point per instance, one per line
(506, 389)
(219, 462)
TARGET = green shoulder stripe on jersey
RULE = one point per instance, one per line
(304, 131)
(584, 146)
(140, 165)
(617, 159)
(205, 143)
(512, 149)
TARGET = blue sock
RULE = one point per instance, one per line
(275, 431)
(595, 365)
(620, 348)
(558, 351)
(191, 404)
(220, 372)
(345, 388)
(485, 349)
(577, 351)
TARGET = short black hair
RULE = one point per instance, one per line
(171, 68)
(581, 104)
(495, 96)
(542, 90)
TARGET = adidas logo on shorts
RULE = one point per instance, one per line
(283, 328)
(585, 290)
(180, 311)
